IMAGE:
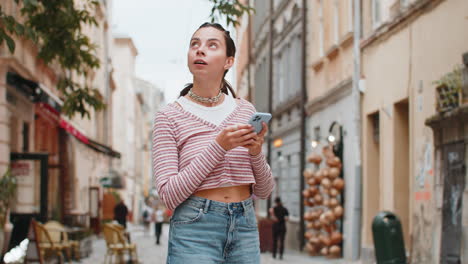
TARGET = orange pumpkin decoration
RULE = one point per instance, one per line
(330, 216)
(333, 173)
(326, 183)
(324, 251)
(333, 161)
(308, 235)
(313, 190)
(335, 251)
(314, 158)
(317, 225)
(318, 199)
(338, 211)
(333, 192)
(312, 181)
(338, 184)
(336, 237)
(308, 173)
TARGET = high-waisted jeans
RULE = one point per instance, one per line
(203, 231)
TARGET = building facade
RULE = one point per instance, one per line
(276, 81)
(126, 116)
(58, 161)
(406, 46)
(331, 110)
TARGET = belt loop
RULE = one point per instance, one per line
(207, 205)
(244, 207)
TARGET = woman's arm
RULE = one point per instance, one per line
(264, 183)
(176, 186)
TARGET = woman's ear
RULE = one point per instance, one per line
(229, 63)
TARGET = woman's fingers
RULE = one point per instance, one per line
(264, 130)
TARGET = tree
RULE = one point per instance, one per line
(232, 10)
(55, 26)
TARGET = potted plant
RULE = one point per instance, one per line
(449, 91)
(7, 192)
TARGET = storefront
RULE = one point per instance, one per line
(44, 152)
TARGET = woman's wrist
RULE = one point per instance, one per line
(255, 153)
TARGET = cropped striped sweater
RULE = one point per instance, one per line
(187, 158)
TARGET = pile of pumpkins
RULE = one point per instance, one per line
(323, 198)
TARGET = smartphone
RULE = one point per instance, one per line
(257, 119)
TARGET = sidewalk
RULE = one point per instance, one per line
(149, 252)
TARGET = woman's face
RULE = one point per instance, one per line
(207, 53)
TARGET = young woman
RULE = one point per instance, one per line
(208, 161)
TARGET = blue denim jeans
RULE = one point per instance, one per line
(203, 231)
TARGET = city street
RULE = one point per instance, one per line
(149, 252)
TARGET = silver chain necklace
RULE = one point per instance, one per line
(204, 99)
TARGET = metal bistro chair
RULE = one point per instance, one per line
(117, 244)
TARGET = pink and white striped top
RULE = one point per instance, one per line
(187, 158)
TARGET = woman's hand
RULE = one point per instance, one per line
(236, 136)
(255, 147)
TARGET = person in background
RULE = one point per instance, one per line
(158, 222)
(146, 216)
(280, 215)
(120, 213)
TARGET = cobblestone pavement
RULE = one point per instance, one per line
(149, 252)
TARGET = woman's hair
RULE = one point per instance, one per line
(230, 52)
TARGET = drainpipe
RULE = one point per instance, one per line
(107, 110)
(249, 53)
(356, 98)
(303, 120)
(270, 89)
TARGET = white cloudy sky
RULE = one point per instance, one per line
(161, 30)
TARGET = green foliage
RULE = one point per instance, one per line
(231, 9)
(55, 26)
(7, 192)
(453, 79)
(448, 90)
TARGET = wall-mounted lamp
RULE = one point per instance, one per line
(314, 143)
(335, 137)
(278, 143)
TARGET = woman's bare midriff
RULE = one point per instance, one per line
(232, 194)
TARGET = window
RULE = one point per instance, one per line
(376, 13)
(376, 127)
(25, 137)
(317, 133)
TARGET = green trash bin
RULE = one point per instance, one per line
(388, 239)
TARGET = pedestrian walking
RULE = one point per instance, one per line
(158, 222)
(208, 161)
(147, 215)
(120, 213)
(280, 215)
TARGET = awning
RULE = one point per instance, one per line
(72, 130)
(50, 106)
